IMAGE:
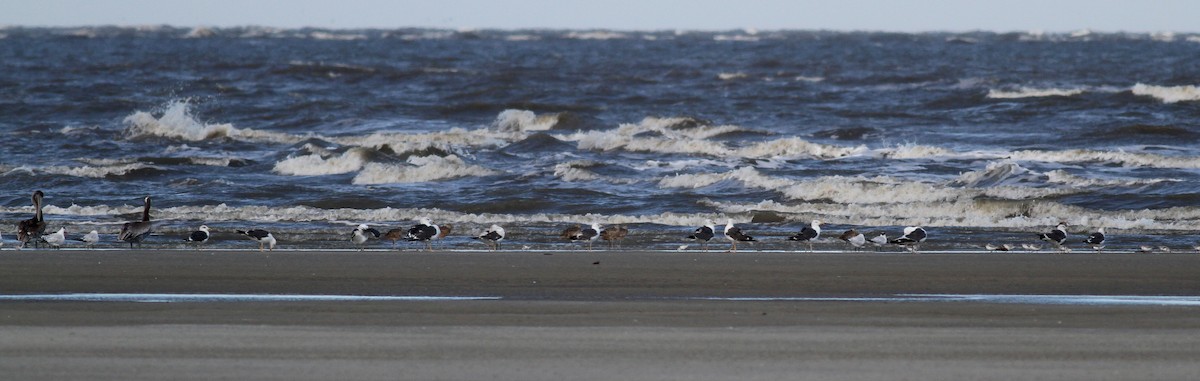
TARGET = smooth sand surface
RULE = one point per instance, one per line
(596, 315)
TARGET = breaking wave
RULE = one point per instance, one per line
(1030, 92)
(90, 171)
(178, 122)
(419, 169)
(1168, 94)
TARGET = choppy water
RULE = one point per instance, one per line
(979, 137)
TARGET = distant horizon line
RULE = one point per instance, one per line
(747, 30)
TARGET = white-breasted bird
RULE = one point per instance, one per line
(492, 236)
(912, 238)
(360, 235)
(808, 234)
(264, 238)
(56, 239)
(735, 235)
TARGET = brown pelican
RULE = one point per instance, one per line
(136, 232)
(33, 228)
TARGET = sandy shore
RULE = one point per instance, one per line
(596, 315)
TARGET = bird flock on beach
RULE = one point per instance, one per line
(33, 230)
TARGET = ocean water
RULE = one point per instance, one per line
(978, 137)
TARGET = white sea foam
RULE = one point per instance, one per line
(1168, 94)
(1032, 214)
(339, 36)
(419, 169)
(317, 164)
(596, 35)
(802, 78)
(693, 140)
(523, 120)
(178, 122)
(1127, 159)
(1030, 92)
(731, 76)
(89, 171)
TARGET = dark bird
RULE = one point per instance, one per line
(854, 238)
(590, 234)
(614, 234)
(1096, 239)
(572, 233)
(395, 235)
(262, 236)
(33, 228)
(1058, 236)
(199, 236)
(424, 231)
(808, 234)
(704, 233)
(443, 231)
(360, 235)
(912, 238)
(491, 236)
(136, 232)
(735, 235)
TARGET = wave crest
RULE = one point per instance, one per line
(178, 122)
(1168, 94)
(419, 169)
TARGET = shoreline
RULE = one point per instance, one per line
(596, 316)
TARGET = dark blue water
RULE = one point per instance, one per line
(978, 137)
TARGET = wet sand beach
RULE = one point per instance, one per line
(597, 315)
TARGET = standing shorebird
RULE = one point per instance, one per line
(199, 236)
(90, 239)
(879, 240)
(360, 235)
(55, 239)
(855, 239)
(395, 235)
(703, 234)
(136, 232)
(424, 231)
(262, 236)
(33, 228)
(614, 234)
(1057, 236)
(1096, 240)
(912, 238)
(735, 235)
(808, 234)
(590, 234)
(492, 237)
(443, 231)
